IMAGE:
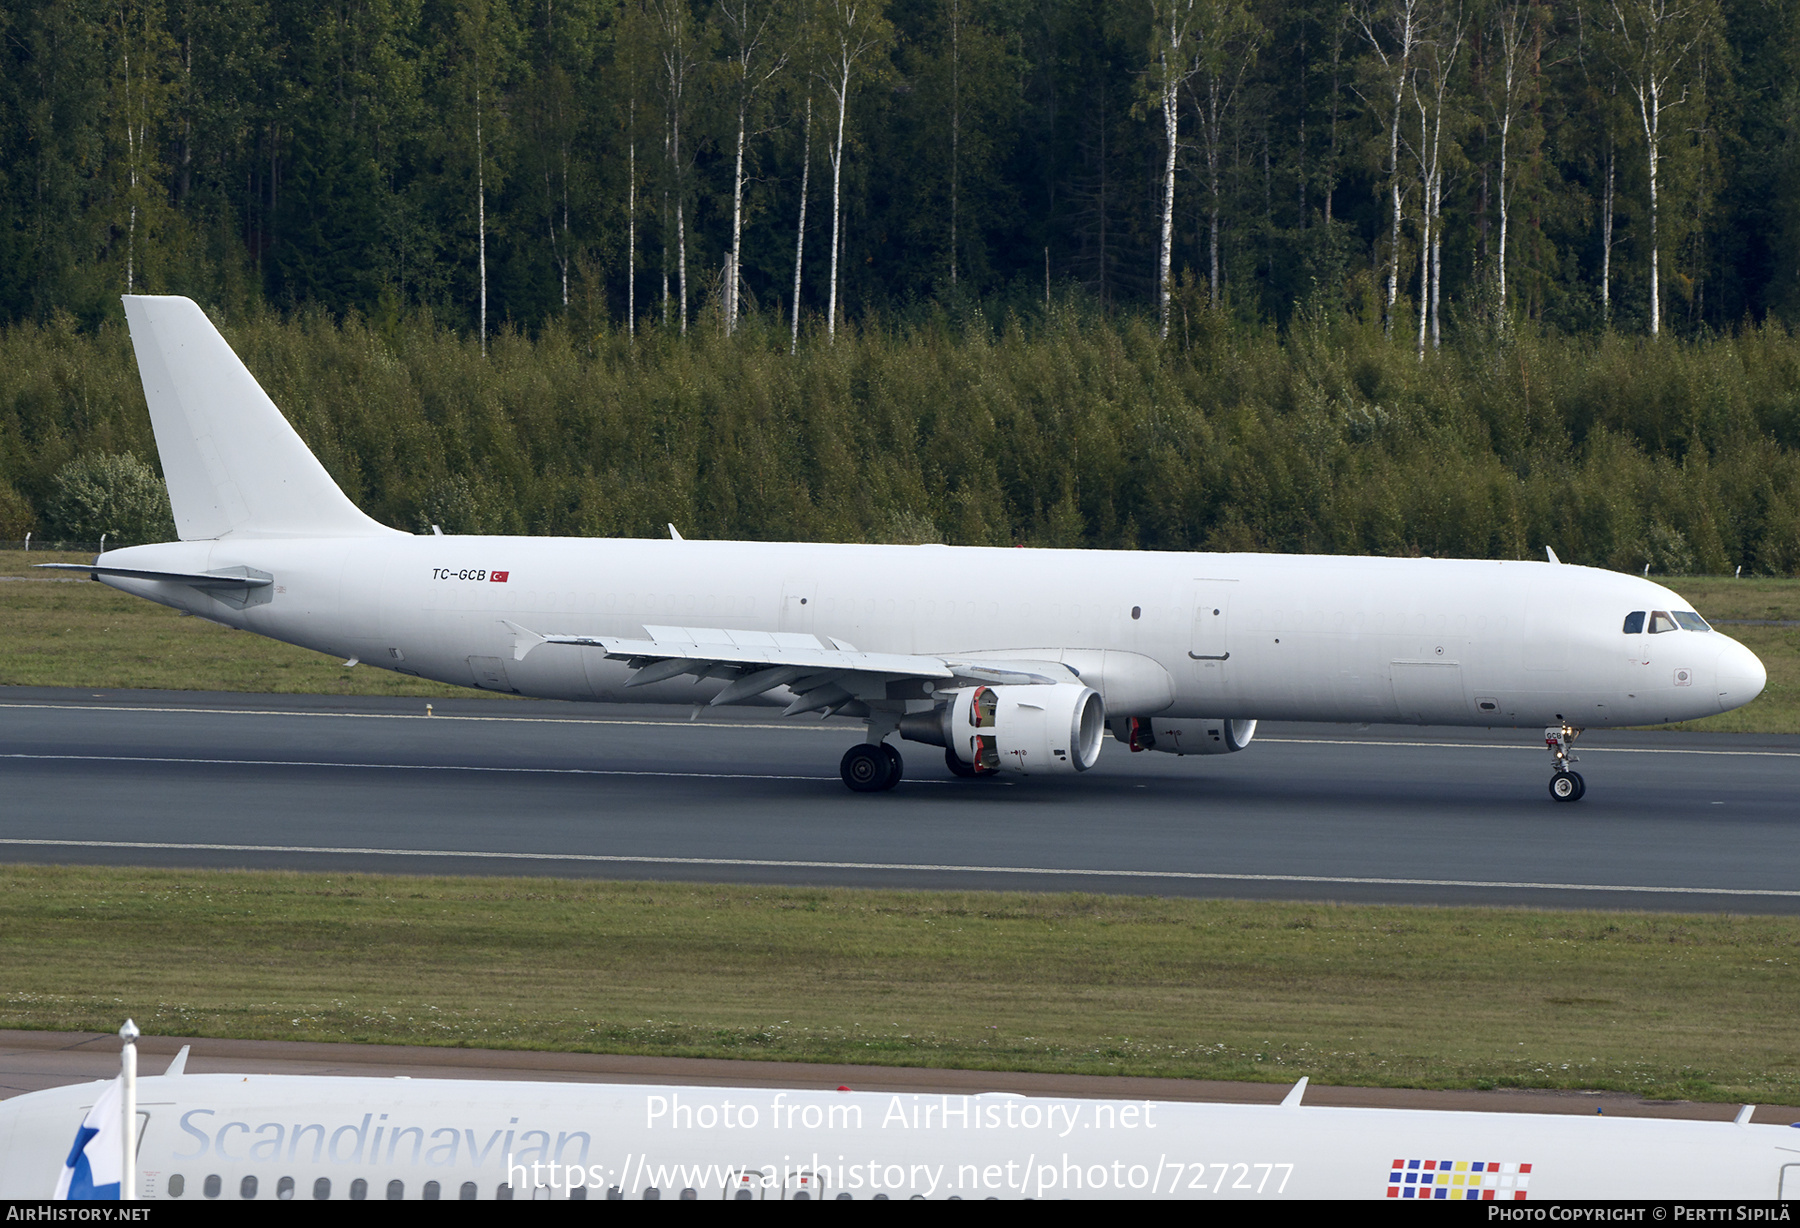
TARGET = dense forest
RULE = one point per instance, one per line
(1584, 162)
(1399, 276)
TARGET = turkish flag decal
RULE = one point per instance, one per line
(498, 577)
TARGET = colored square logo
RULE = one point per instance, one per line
(1458, 1179)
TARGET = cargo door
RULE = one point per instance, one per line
(1429, 692)
(1209, 640)
(490, 673)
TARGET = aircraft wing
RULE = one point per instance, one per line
(823, 675)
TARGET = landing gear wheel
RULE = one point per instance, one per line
(957, 766)
(896, 765)
(867, 769)
(1567, 786)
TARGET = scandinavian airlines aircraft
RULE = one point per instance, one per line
(236, 1137)
(1012, 661)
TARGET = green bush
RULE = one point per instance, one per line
(16, 517)
(118, 496)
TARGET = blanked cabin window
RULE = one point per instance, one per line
(1634, 623)
(1691, 621)
(1660, 622)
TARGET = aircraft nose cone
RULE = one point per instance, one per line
(1741, 676)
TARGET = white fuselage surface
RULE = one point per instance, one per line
(1295, 637)
(236, 1137)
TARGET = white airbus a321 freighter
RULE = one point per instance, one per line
(1013, 661)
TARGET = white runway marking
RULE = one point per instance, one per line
(764, 863)
(1585, 748)
(420, 716)
(426, 767)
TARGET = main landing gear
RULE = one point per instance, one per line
(871, 767)
(1565, 786)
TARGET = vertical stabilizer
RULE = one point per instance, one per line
(233, 464)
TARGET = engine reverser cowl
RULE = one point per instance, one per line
(1026, 730)
(1189, 736)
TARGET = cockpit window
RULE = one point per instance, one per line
(1634, 623)
(1691, 621)
(1660, 622)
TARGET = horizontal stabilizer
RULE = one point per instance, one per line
(238, 577)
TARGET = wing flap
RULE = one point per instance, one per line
(745, 649)
(820, 675)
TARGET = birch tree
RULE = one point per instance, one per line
(955, 16)
(803, 78)
(551, 108)
(1393, 36)
(633, 59)
(853, 33)
(1607, 112)
(139, 100)
(1509, 27)
(800, 227)
(1436, 62)
(484, 42)
(755, 62)
(1655, 44)
(678, 56)
(1227, 37)
(1176, 38)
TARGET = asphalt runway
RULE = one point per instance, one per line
(1680, 822)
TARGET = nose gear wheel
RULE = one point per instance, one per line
(1565, 785)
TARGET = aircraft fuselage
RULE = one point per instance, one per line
(1244, 636)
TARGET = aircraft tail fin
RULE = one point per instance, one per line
(232, 463)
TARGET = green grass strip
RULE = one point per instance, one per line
(1700, 1007)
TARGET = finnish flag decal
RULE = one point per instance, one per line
(92, 1170)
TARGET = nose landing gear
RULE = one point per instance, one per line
(1565, 786)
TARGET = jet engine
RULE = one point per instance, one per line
(1177, 736)
(1027, 730)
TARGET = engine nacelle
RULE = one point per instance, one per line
(1191, 736)
(1027, 730)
